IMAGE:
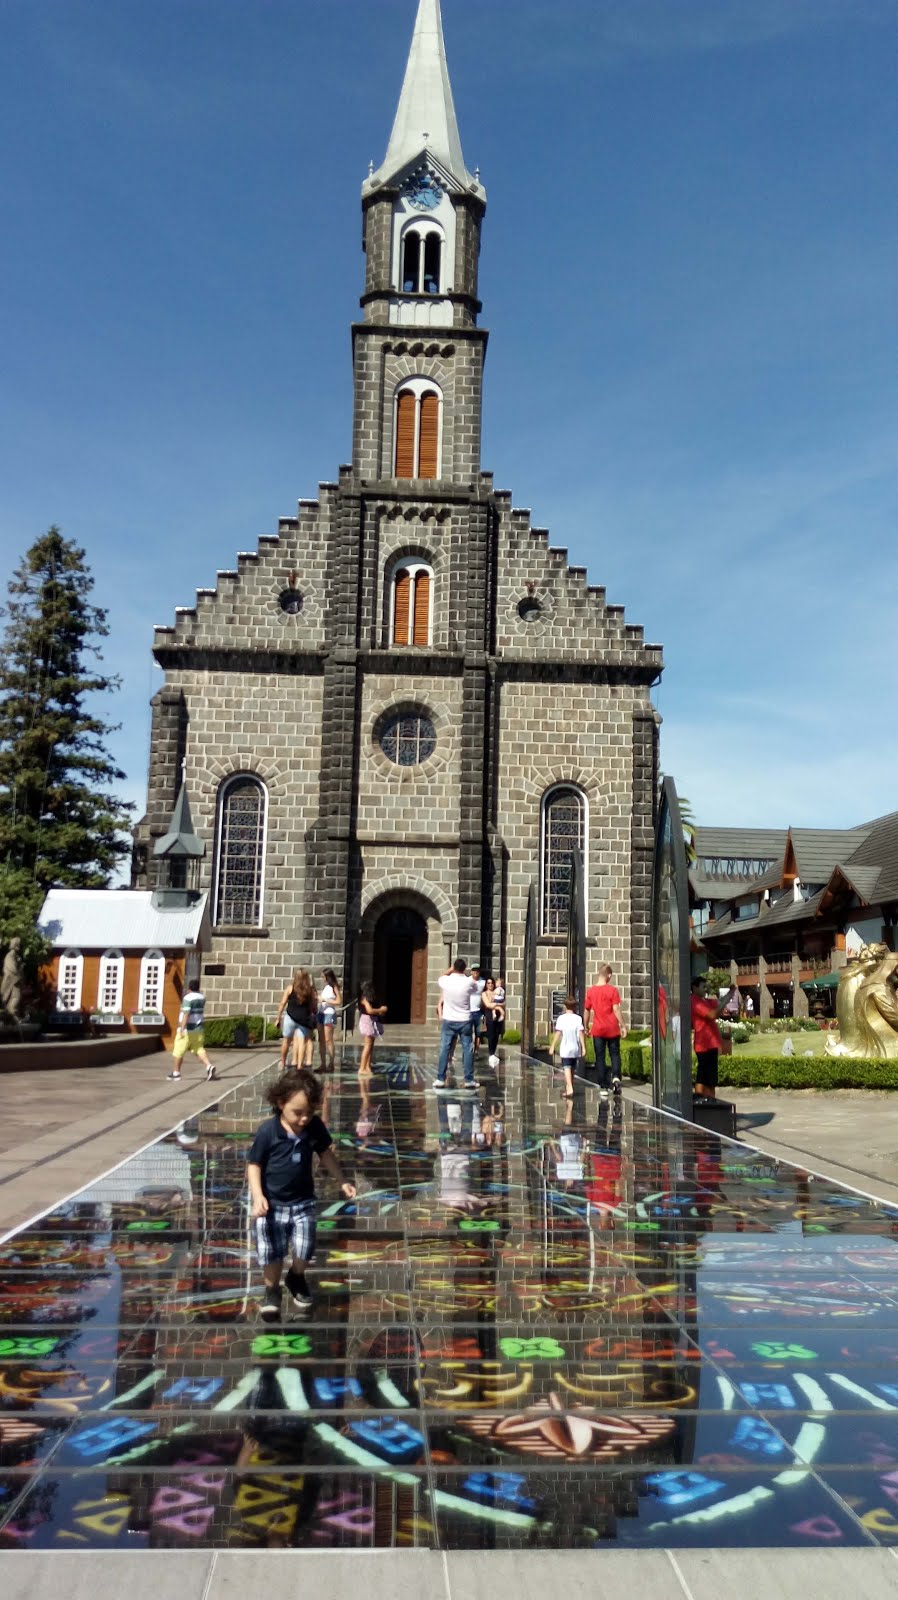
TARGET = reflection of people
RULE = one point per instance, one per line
(568, 1152)
(457, 1138)
(705, 1012)
(568, 1042)
(603, 1018)
(282, 1186)
(189, 1034)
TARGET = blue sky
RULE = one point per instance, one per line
(688, 272)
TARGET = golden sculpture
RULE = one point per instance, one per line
(867, 1006)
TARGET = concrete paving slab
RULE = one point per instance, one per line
(575, 1574)
(338, 1574)
(786, 1574)
(105, 1575)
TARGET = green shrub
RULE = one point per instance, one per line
(636, 1061)
(783, 1072)
(807, 1072)
(511, 1036)
(220, 1031)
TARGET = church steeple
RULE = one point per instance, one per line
(418, 404)
(425, 123)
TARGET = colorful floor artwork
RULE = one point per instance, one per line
(541, 1323)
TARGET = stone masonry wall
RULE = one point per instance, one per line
(578, 733)
(241, 722)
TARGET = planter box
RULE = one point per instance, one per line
(149, 1019)
(100, 1019)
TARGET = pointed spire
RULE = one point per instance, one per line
(180, 840)
(425, 119)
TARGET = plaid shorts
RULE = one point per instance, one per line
(288, 1229)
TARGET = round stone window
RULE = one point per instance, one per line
(407, 738)
(529, 608)
(290, 601)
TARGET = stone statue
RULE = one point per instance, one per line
(11, 984)
(867, 1006)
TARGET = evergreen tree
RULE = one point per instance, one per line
(59, 821)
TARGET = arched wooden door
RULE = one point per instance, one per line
(400, 964)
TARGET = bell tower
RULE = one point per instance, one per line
(418, 355)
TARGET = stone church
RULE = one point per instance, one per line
(405, 705)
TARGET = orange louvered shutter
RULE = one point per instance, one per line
(402, 593)
(405, 436)
(430, 436)
(421, 632)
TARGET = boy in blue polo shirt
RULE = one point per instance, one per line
(282, 1186)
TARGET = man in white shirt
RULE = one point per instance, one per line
(454, 1012)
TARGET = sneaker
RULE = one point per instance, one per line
(603, 1094)
(494, 1061)
(298, 1290)
(175, 1077)
(440, 1085)
(469, 1086)
(616, 1085)
(270, 1309)
(210, 1074)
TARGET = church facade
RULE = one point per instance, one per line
(405, 706)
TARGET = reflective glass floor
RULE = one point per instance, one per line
(542, 1323)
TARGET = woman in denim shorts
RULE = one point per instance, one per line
(297, 1019)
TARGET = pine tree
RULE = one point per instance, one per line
(59, 821)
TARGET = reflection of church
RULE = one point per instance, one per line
(405, 706)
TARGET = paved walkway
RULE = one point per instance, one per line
(59, 1130)
(848, 1135)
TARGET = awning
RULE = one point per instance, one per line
(830, 980)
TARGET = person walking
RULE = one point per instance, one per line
(189, 1034)
(602, 1017)
(455, 1011)
(329, 998)
(494, 1012)
(569, 1041)
(707, 1038)
(297, 1019)
(370, 1025)
(476, 1006)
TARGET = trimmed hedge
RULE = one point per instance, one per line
(220, 1031)
(784, 1072)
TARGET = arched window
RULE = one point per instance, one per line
(563, 829)
(422, 259)
(152, 981)
(240, 855)
(68, 981)
(111, 981)
(418, 420)
(411, 605)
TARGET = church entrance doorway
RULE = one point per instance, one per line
(400, 964)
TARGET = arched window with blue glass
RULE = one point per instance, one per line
(564, 828)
